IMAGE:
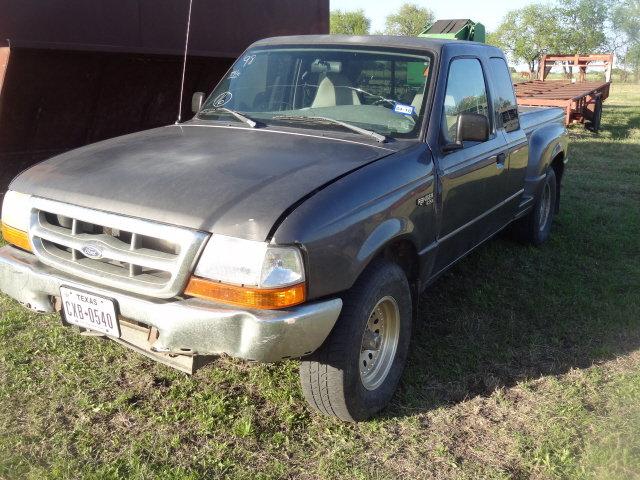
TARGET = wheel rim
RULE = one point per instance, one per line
(379, 343)
(545, 206)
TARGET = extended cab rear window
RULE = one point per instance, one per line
(504, 103)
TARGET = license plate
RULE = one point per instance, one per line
(90, 311)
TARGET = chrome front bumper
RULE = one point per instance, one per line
(182, 327)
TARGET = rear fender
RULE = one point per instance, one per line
(545, 144)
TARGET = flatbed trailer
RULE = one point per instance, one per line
(581, 101)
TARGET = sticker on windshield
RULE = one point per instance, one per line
(234, 74)
(248, 60)
(222, 99)
(404, 109)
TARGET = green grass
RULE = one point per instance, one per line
(525, 364)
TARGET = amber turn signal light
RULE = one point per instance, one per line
(16, 237)
(249, 297)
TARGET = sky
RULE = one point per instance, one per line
(487, 12)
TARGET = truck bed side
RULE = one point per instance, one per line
(533, 117)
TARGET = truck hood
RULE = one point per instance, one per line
(229, 180)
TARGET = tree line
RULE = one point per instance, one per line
(410, 19)
(525, 34)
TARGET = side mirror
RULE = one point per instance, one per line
(472, 127)
(196, 102)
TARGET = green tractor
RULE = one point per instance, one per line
(457, 29)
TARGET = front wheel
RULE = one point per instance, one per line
(356, 371)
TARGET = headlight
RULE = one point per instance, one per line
(16, 213)
(16, 210)
(281, 266)
(245, 262)
(249, 273)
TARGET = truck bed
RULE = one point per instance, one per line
(533, 117)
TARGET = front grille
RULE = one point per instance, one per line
(127, 253)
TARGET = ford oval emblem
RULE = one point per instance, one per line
(92, 251)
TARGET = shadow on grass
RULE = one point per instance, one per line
(510, 313)
(630, 117)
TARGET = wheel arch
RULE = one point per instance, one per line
(403, 252)
(547, 148)
(399, 249)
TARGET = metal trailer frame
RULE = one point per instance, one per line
(581, 102)
(581, 62)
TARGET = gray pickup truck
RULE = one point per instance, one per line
(324, 183)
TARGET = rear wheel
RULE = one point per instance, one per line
(535, 228)
(356, 371)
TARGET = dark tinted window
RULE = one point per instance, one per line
(504, 103)
(466, 93)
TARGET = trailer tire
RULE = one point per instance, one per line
(594, 124)
(376, 317)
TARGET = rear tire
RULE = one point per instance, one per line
(535, 228)
(354, 374)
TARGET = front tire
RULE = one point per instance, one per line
(354, 374)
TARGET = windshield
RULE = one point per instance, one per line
(375, 90)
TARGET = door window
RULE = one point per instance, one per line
(504, 103)
(466, 93)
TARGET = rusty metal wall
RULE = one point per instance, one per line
(80, 71)
(53, 100)
(220, 28)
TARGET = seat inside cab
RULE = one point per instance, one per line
(335, 89)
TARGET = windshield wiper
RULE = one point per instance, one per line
(362, 131)
(243, 118)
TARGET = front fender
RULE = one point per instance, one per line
(388, 231)
(345, 225)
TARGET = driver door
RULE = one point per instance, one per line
(471, 177)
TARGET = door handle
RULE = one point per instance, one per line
(501, 159)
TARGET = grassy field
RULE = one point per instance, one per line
(525, 364)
